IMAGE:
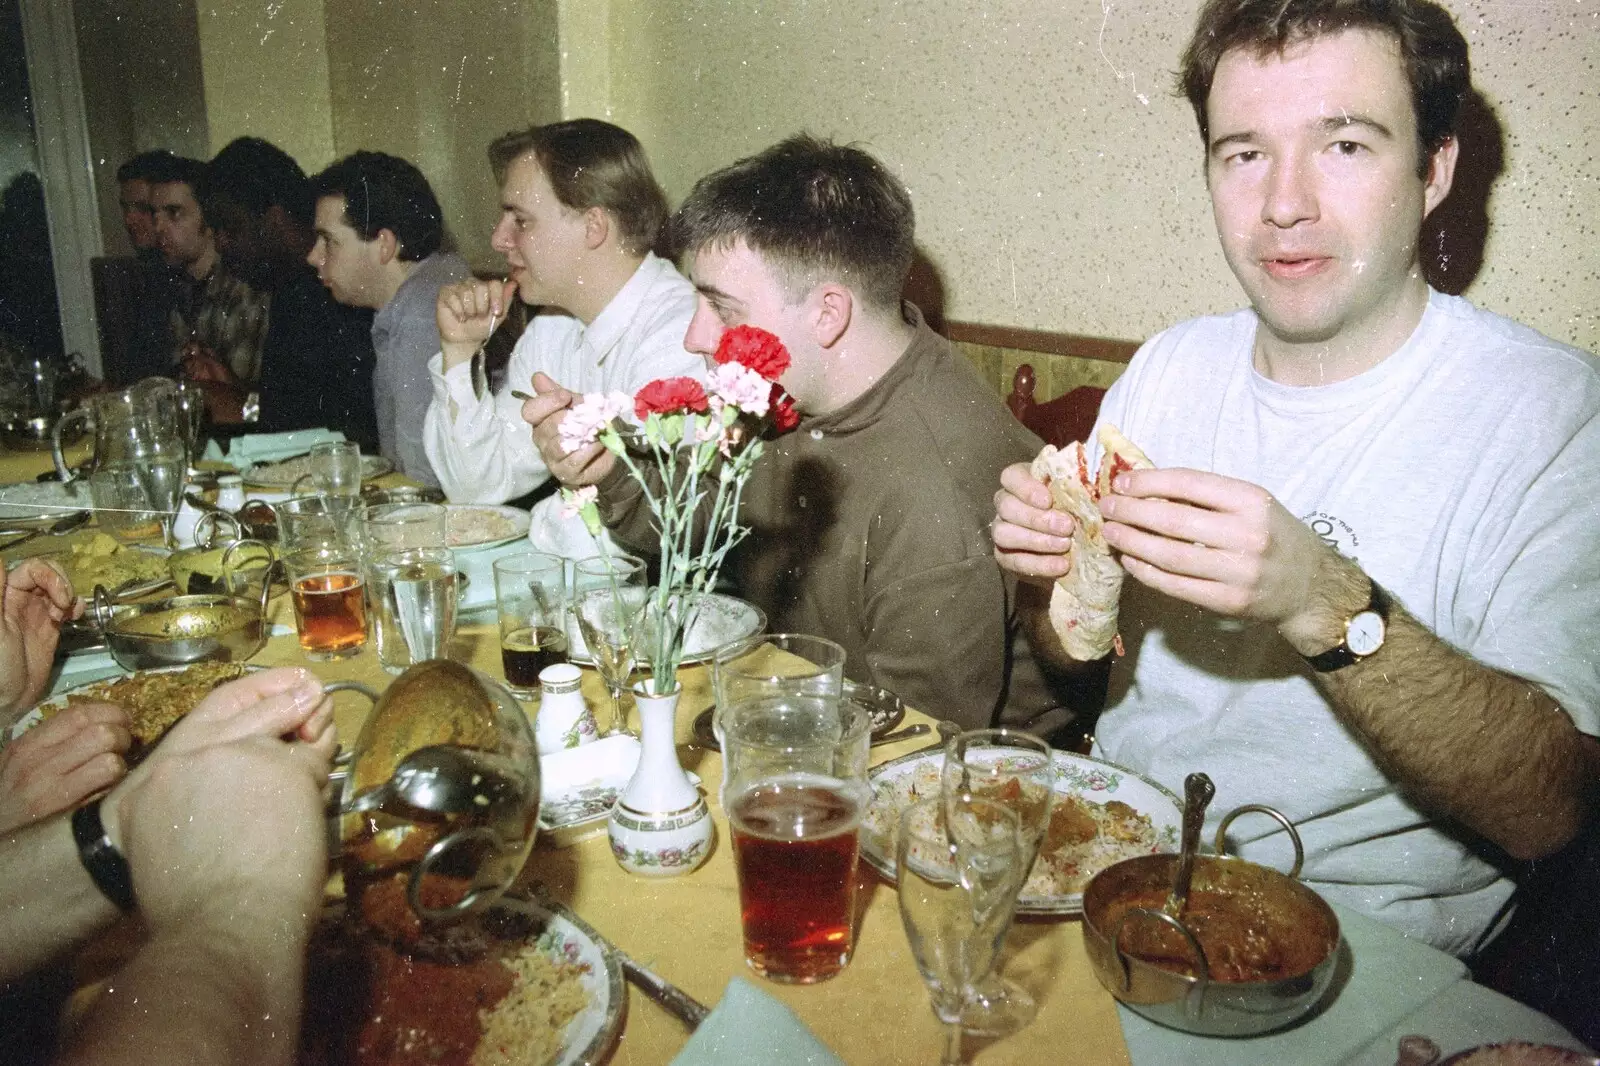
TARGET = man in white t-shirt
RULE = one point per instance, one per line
(580, 212)
(1367, 567)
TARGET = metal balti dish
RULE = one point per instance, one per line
(404, 865)
(1302, 926)
(235, 569)
(181, 629)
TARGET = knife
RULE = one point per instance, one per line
(677, 1002)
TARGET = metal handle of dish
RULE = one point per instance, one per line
(77, 414)
(1197, 995)
(466, 904)
(211, 523)
(101, 605)
(227, 571)
(1282, 819)
(343, 758)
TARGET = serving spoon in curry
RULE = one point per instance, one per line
(1197, 793)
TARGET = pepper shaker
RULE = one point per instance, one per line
(564, 719)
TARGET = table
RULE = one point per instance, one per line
(687, 929)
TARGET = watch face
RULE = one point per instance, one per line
(1364, 634)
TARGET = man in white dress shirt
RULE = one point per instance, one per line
(580, 212)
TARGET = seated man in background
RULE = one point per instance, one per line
(316, 356)
(197, 307)
(580, 212)
(218, 841)
(379, 228)
(869, 523)
(1366, 569)
(133, 193)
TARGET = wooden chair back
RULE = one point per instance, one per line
(1060, 421)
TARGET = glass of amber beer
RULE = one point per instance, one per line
(329, 594)
(796, 792)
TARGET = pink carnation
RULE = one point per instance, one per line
(735, 384)
(586, 419)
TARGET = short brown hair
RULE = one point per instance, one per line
(592, 164)
(810, 208)
(1431, 48)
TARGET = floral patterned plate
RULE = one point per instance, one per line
(578, 786)
(564, 936)
(898, 783)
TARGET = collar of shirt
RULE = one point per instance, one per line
(603, 335)
(871, 405)
(434, 271)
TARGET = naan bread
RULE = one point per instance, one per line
(1083, 604)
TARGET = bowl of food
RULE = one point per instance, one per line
(441, 802)
(181, 629)
(236, 568)
(1251, 951)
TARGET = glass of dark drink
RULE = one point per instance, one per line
(330, 607)
(530, 592)
(795, 795)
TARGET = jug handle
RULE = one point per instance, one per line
(56, 452)
(468, 903)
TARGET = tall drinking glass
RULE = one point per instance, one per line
(775, 664)
(413, 594)
(1017, 770)
(335, 469)
(530, 594)
(608, 596)
(318, 522)
(397, 526)
(797, 790)
(959, 872)
(329, 594)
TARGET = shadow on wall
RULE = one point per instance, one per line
(1453, 237)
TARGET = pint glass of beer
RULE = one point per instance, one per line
(796, 792)
(330, 607)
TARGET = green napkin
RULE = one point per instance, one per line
(749, 1026)
(246, 451)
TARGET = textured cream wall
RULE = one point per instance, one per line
(265, 66)
(1056, 178)
(435, 83)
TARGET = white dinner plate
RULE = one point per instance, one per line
(30, 504)
(900, 782)
(471, 526)
(284, 473)
(721, 619)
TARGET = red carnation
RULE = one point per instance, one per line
(781, 410)
(670, 396)
(754, 348)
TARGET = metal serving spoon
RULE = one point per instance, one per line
(1197, 793)
(445, 779)
(65, 524)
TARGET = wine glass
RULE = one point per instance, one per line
(960, 866)
(1015, 769)
(608, 596)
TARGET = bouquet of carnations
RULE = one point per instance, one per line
(691, 448)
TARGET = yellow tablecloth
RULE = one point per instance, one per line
(687, 928)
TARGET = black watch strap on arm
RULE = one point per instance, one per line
(1340, 656)
(106, 866)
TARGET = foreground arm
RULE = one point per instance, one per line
(61, 762)
(35, 599)
(48, 904)
(1488, 750)
(229, 912)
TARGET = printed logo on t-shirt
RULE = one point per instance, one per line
(1335, 532)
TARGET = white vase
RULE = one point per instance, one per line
(660, 826)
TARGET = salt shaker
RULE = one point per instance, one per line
(564, 719)
(230, 493)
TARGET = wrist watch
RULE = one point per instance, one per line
(1363, 634)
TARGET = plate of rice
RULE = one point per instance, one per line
(154, 699)
(283, 475)
(483, 526)
(542, 990)
(1102, 814)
